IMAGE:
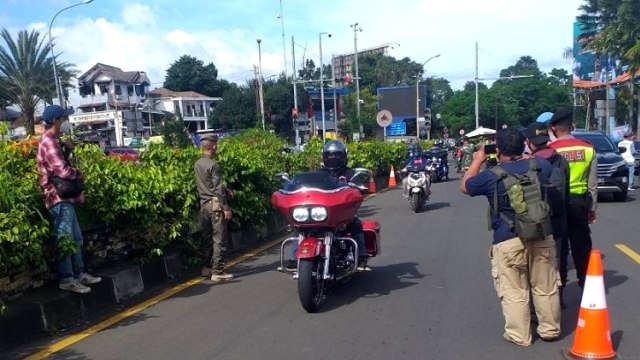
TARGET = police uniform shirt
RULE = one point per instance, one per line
(209, 181)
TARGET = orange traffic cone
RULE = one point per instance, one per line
(392, 177)
(372, 185)
(593, 337)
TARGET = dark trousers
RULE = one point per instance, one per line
(579, 238)
(214, 230)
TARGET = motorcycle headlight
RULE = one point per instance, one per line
(434, 159)
(319, 213)
(300, 214)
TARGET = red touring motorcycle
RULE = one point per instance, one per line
(320, 208)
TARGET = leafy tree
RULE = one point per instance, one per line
(26, 74)
(238, 108)
(174, 132)
(368, 111)
(190, 74)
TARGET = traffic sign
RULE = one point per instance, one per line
(294, 112)
(461, 132)
(384, 118)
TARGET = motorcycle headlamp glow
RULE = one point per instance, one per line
(304, 214)
(318, 213)
(300, 214)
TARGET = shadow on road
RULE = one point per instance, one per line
(380, 282)
(434, 206)
(367, 210)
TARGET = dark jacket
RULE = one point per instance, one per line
(558, 191)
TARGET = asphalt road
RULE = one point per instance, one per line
(430, 296)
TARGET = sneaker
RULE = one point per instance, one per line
(631, 189)
(74, 286)
(221, 277)
(362, 264)
(88, 279)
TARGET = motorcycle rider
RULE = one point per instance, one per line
(415, 152)
(334, 161)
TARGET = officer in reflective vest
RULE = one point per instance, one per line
(583, 191)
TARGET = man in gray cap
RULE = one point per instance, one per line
(214, 210)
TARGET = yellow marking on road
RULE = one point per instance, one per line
(629, 252)
(53, 348)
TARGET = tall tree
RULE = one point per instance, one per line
(237, 110)
(190, 74)
(26, 73)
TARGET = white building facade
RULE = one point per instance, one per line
(194, 107)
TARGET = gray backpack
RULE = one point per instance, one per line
(528, 198)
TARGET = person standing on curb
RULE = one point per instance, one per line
(52, 162)
(521, 269)
(214, 210)
(583, 189)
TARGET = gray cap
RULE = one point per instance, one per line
(209, 137)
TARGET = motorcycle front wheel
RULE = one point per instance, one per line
(311, 283)
(415, 202)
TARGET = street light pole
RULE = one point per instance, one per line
(324, 132)
(260, 93)
(418, 77)
(356, 28)
(59, 93)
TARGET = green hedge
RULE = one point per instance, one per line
(153, 201)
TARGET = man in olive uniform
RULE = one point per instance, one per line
(214, 210)
(583, 190)
(467, 154)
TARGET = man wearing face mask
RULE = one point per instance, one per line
(52, 162)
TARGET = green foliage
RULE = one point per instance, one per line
(190, 74)
(152, 203)
(174, 133)
(24, 224)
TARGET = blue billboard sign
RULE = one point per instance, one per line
(397, 128)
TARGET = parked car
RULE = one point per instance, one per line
(122, 152)
(612, 169)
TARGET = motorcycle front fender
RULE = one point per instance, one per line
(416, 190)
(310, 248)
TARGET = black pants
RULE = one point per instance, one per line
(579, 238)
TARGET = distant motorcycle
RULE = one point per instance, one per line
(418, 184)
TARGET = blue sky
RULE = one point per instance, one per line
(149, 35)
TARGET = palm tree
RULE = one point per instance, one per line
(26, 73)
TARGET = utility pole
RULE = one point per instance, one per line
(477, 99)
(355, 47)
(335, 102)
(284, 49)
(261, 94)
(295, 91)
(324, 130)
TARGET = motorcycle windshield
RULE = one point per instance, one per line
(320, 180)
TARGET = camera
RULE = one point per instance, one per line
(490, 149)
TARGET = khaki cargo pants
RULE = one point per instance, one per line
(523, 270)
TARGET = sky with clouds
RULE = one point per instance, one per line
(148, 35)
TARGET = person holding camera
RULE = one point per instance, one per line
(521, 268)
(53, 163)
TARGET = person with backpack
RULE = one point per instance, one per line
(537, 135)
(523, 252)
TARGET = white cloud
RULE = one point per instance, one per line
(142, 38)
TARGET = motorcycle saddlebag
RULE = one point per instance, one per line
(371, 237)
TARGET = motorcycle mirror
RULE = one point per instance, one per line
(283, 176)
(360, 173)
